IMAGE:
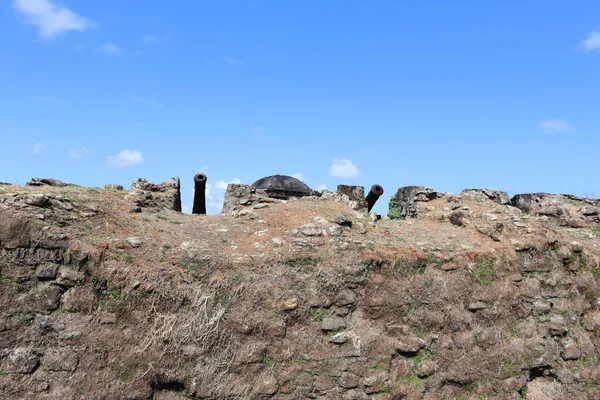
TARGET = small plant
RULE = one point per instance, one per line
(127, 375)
(301, 262)
(164, 248)
(523, 393)
(192, 265)
(410, 267)
(237, 278)
(596, 231)
(127, 258)
(161, 217)
(484, 269)
(176, 222)
(114, 294)
(269, 362)
(412, 380)
(393, 210)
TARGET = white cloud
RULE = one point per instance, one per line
(592, 42)
(146, 100)
(39, 148)
(126, 158)
(109, 49)
(231, 60)
(298, 176)
(52, 100)
(215, 195)
(320, 188)
(343, 168)
(556, 126)
(221, 185)
(51, 19)
(149, 39)
(78, 154)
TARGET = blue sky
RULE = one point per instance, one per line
(498, 94)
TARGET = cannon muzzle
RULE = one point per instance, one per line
(199, 194)
(373, 196)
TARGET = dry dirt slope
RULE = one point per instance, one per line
(470, 300)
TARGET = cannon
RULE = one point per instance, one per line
(199, 194)
(374, 194)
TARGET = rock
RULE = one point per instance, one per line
(339, 338)
(41, 299)
(354, 193)
(70, 277)
(259, 206)
(409, 195)
(166, 194)
(558, 326)
(47, 182)
(48, 271)
(135, 209)
(342, 220)
(541, 306)
(110, 186)
(345, 297)
(494, 195)
(135, 241)
(348, 380)
(308, 230)
(20, 361)
(81, 299)
(497, 232)
(571, 352)
(290, 304)
(355, 394)
(426, 368)
(60, 359)
(333, 324)
(335, 231)
(409, 344)
(457, 218)
(362, 228)
(266, 386)
(37, 200)
(477, 305)
(323, 383)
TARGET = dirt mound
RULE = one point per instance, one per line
(109, 294)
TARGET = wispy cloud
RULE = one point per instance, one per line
(231, 60)
(592, 42)
(556, 126)
(78, 154)
(146, 100)
(39, 148)
(51, 19)
(343, 168)
(322, 187)
(126, 158)
(298, 176)
(149, 39)
(52, 100)
(109, 49)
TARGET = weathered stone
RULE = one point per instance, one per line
(324, 383)
(290, 304)
(266, 386)
(135, 241)
(354, 193)
(41, 299)
(60, 359)
(345, 297)
(348, 380)
(362, 228)
(48, 271)
(21, 361)
(166, 194)
(409, 195)
(355, 394)
(81, 299)
(477, 305)
(37, 200)
(335, 230)
(70, 277)
(558, 326)
(494, 195)
(333, 324)
(426, 368)
(47, 182)
(458, 218)
(339, 338)
(571, 352)
(341, 219)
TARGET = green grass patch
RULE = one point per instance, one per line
(393, 211)
(484, 269)
(412, 380)
(268, 362)
(114, 294)
(127, 258)
(407, 268)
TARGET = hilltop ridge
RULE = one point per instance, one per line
(108, 293)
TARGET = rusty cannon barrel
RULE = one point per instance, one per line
(199, 194)
(373, 196)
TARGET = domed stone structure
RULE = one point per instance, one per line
(283, 187)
